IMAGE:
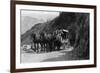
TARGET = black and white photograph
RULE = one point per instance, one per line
(48, 36)
(52, 36)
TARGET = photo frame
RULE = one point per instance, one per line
(77, 49)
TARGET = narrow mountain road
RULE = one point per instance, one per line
(44, 57)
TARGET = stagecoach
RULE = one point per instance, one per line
(64, 39)
(58, 41)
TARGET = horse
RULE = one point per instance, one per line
(46, 43)
(36, 42)
(40, 43)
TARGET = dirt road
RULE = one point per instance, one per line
(44, 57)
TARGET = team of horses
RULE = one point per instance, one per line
(47, 42)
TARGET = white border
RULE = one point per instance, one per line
(53, 64)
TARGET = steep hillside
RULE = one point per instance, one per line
(78, 26)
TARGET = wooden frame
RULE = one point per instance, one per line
(13, 35)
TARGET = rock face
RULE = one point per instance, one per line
(76, 23)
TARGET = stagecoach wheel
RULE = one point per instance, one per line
(68, 45)
(62, 47)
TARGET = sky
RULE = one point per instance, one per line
(44, 15)
(30, 17)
